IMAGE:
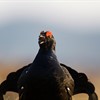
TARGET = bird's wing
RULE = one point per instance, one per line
(10, 84)
(68, 81)
(82, 84)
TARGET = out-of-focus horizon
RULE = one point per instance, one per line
(74, 23)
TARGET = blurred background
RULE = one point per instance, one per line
(74, 23)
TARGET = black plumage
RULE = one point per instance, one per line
(46, 79)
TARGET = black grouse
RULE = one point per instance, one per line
(46, 79)
(82, 85)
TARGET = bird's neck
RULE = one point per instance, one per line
(44, 57)
(44, 50)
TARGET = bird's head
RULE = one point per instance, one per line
(46, 40)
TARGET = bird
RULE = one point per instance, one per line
(81, 82)
(45, 79)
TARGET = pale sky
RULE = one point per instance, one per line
(74, 23)
(60, 11)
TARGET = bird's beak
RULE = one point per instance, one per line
(41, 39)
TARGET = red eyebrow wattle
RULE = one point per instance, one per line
(49, 34)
